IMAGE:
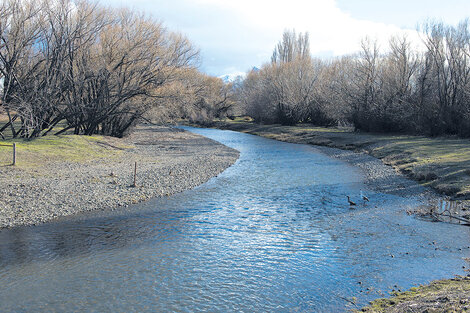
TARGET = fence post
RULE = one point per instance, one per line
(135, 175)
(14, 154)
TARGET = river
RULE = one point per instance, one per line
(273, 233)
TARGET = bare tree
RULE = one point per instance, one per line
(98, 69)
(291, 47)
(20, 24)
(402, 89)
(197, 97)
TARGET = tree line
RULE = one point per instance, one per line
(405, 89)
(96, 70)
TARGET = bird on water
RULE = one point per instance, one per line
(350, 202)
(364, 197)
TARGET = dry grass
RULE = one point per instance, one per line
(452, 295)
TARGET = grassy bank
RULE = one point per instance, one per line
(57, 176)
(70, 148)
(452, 295)
(34, 153)
(440, 163)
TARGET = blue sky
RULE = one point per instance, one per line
(234, 36)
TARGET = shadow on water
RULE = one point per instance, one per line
(272, 233)
(81, 236)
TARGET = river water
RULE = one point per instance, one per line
(273, 233)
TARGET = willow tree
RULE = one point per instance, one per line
(20, 28)
(97, 69)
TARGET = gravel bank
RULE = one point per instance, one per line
(169, 161)
(440, 163)
(381, 177)
(382, 170)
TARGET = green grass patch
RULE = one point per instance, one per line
(75, 148)
(438, 296)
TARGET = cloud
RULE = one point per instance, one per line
(330, 29)
(234, 36)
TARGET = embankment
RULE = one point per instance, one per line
(451, 295)
(440, 163)
(59, 176)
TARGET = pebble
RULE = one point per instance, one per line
(66, 188)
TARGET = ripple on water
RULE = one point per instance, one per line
(271, 233)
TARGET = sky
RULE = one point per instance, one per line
(236, 35)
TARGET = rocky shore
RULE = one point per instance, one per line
(440, 163)
(450, 295)
(169, 161)
(381, 177)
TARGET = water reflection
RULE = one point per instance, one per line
(272, 233)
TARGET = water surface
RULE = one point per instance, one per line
(271, 233)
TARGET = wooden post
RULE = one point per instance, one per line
(135, 175)
(14, 154)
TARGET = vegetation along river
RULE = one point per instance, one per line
(274, 232)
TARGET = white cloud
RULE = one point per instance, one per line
(236, 35)
(330, 29)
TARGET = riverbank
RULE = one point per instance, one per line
(60, 176)
(451, 295)
(440, 163)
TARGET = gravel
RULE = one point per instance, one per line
(169, 161)
(381, 177)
